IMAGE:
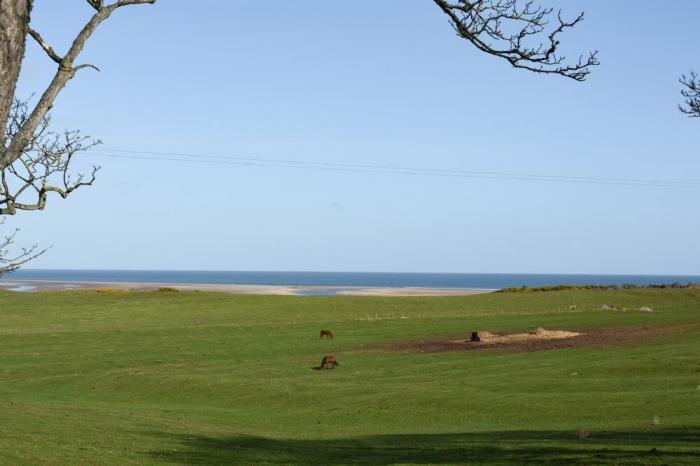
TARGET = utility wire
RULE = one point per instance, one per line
(383, 169)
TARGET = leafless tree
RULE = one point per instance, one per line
(691, 92)
(519, 32)
(14, 27)
(35, 161)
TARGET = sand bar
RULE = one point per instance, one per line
(56, 285)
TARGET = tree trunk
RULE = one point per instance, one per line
(14, 22)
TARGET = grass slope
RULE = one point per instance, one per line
(202, 378)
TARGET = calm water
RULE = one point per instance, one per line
(340, 279)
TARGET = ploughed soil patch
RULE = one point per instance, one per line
(536, 340)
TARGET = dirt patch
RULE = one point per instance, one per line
(537, 340)
(488, 338)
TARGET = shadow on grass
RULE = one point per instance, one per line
(669, 446)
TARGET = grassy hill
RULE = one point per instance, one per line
(201, 378)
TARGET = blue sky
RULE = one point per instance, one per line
(380, 83)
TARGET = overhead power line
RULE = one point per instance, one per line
(381, 169)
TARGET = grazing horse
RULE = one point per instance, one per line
(327, 361)
(326, 333)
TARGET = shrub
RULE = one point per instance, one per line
(110, 290)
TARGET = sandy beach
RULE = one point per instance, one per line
(55, 285)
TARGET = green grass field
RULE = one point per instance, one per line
(206, 378)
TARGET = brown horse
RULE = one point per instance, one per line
(326, 333)
(328, 362)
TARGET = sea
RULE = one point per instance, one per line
(476, 281)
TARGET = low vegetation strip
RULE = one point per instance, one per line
(526, 289)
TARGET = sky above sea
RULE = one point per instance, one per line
(375, 83)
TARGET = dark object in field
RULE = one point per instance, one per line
(328, 362)
(583, 435)
(475, 337)
(326, 333)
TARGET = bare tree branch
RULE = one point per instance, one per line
(44, 165)
(47, 48)
(517, 34)
(86, 65)
(691, 92)
(9, 261)
(121, 3)
(96, 4)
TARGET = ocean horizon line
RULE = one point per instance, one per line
(562, 274)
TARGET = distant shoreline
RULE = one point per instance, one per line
(330, 283)
(280, 290)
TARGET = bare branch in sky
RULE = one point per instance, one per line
(44, 165)
(691, 92)
(518, 32)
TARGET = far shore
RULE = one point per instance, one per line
(285, 290)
